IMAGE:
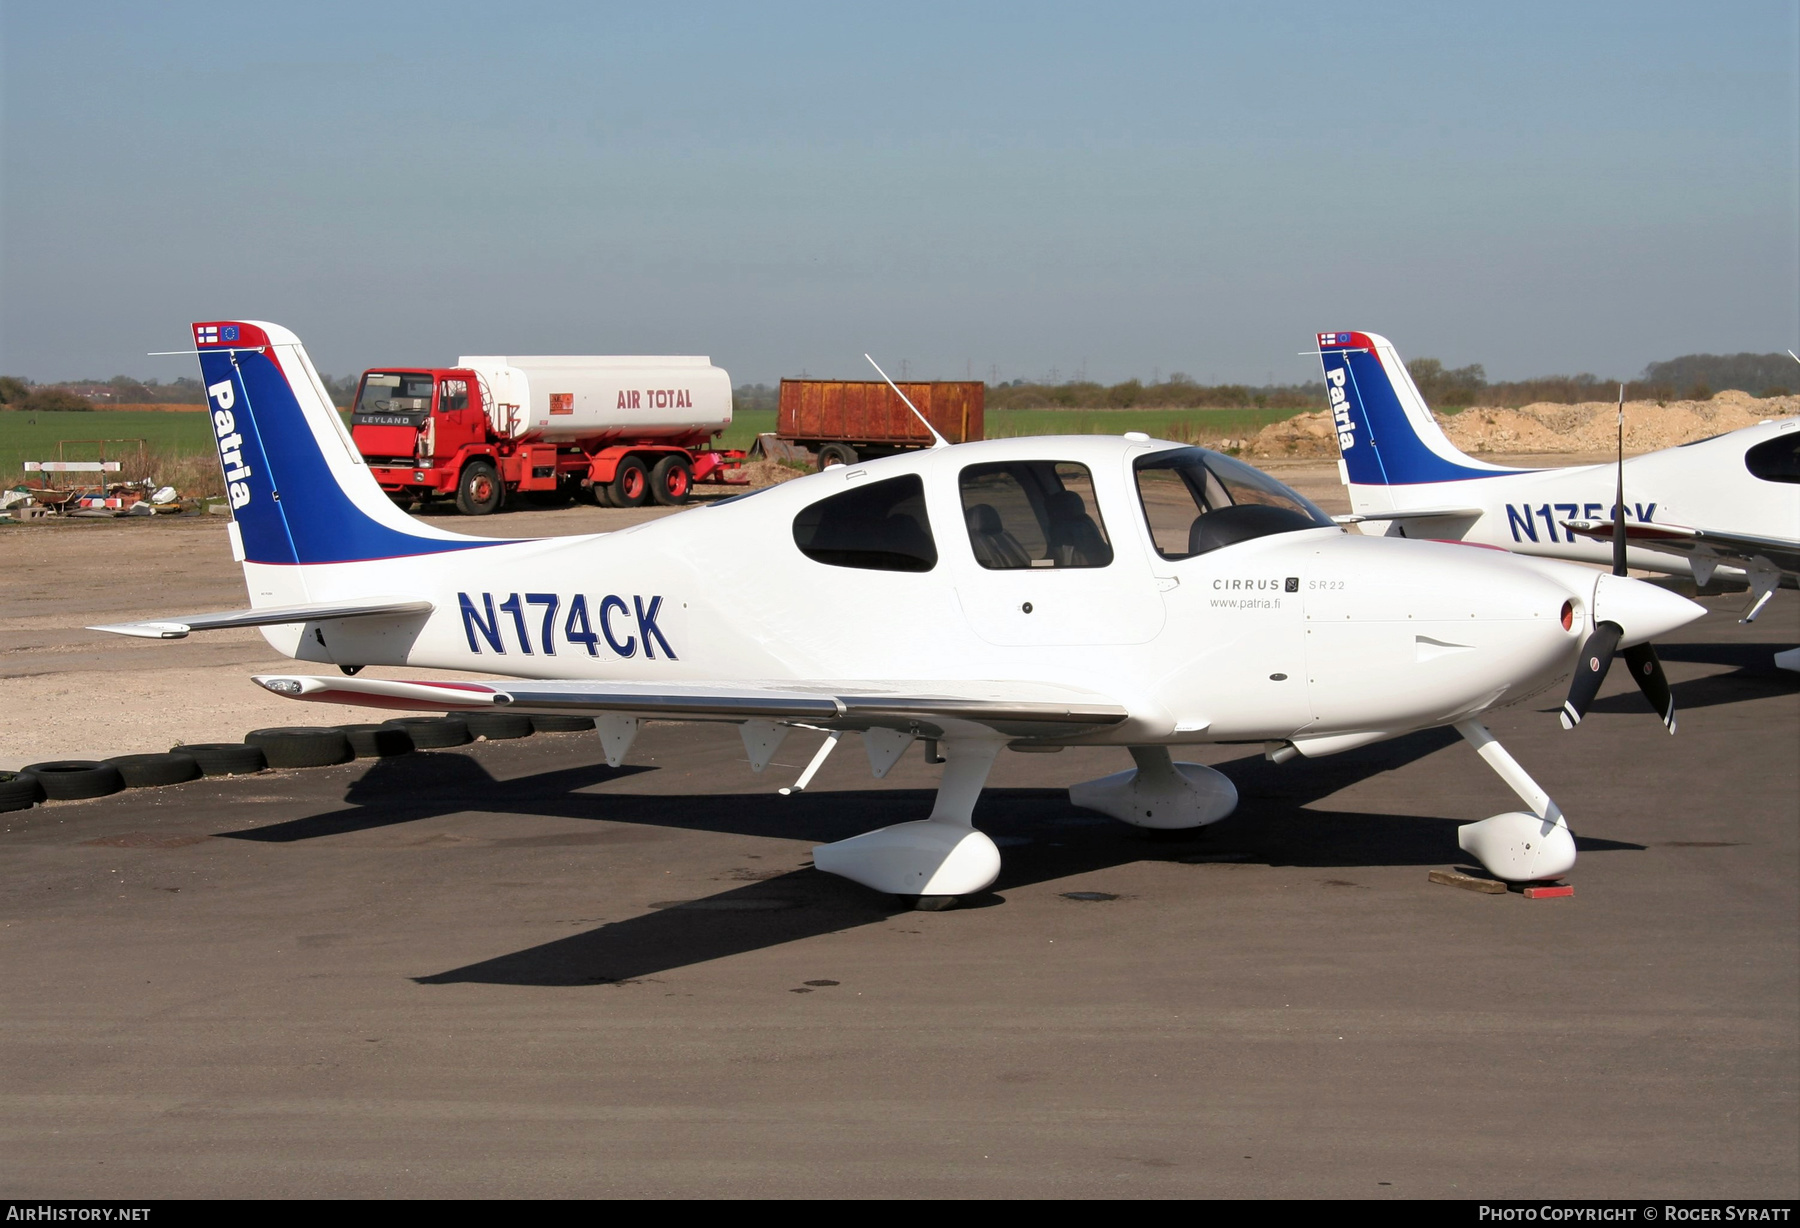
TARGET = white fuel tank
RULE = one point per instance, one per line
(596, 399)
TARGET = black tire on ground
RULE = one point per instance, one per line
(601, 493)
(377, 741)
(149, 771)
(498, 726)
(672, 481)
(225, 758)
(19, 791)
(301, 746)
(631, 483)
(434, 732)
(69, 780)
(836, 454)
(479, 492)
(559, 723)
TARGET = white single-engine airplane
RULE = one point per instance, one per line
(1035, 592)
(1728, 506)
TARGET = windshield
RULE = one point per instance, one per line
(392, 399)
(1196, 501)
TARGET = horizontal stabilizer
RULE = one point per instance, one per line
(1423, 513)
(1020, 710)
(271, 616)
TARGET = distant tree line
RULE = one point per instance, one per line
(19, 394)
(754, 396)
(1179, 391)
(1692, 377)
(80, 395)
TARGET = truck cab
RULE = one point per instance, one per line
(426, 432)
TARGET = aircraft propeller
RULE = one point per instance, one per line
(1597, 653)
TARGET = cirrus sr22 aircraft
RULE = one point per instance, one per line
(1034, 592)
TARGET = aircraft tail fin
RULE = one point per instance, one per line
(299, 490)
(1385, 432)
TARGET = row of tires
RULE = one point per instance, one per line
(294, 746)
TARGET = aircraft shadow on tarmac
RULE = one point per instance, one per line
(1043, 838)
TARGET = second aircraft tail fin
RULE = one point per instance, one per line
(1385, 432)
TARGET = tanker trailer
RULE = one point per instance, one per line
(628, 430)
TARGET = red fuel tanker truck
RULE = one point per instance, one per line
(628, 430)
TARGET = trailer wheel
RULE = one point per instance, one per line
(479, 492)
(631, 483)
(836, 454)
(672, 481)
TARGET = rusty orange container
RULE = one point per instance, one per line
(865, 417)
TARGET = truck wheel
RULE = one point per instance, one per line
(836, 454)
(630, 484)
(479, 492)
(672, 481)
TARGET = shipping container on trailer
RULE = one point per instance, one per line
(845, 421)
(629, 430)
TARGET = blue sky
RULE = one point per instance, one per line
(1129, 189)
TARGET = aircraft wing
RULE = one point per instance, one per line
(177, 627)
(1744, 548)
(1013, 708)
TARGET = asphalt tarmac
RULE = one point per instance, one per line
(509, 970)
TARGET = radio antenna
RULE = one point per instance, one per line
(941, 441)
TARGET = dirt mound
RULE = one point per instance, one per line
(770, 472)
(1587, 427)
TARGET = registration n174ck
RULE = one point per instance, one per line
(1032, 593)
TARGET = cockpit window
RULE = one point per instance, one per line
(1024, 514)
(1196, 501)
(1776, 460)
(879, 526)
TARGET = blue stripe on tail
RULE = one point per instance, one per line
(289, 505)
(1378, 441)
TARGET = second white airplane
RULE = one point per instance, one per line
(1726, 507)
(1032, 593)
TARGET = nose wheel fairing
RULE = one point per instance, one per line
(1515, 845)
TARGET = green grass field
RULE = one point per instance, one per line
(33, 436)
(1007, 423)
(28, 436)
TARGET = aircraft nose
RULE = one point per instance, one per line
(1644, 611)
